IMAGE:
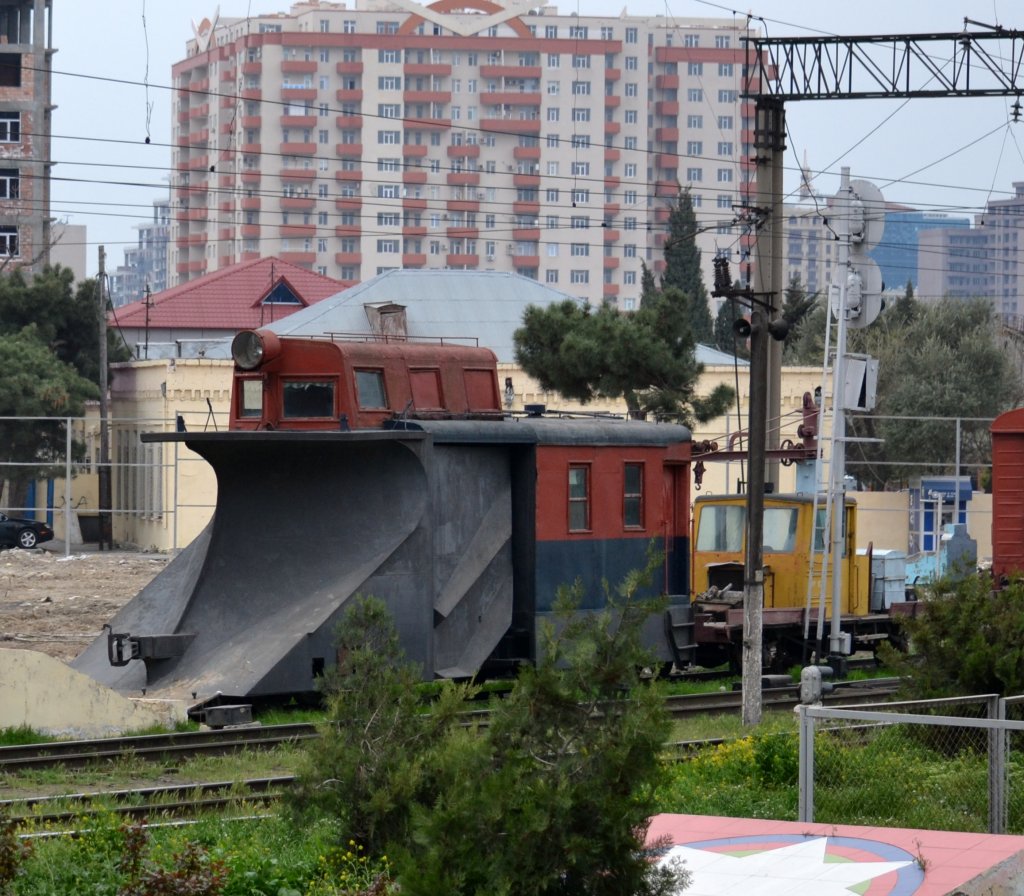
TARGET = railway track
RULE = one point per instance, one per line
(169, 748)
(189, 800)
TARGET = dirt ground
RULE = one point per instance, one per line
(58, 605)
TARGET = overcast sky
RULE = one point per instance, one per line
(107, 54)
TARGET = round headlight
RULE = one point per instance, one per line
(247, 349)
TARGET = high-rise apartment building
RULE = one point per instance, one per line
(358, 138)
(985, 261)
(25, 84)
(145, 264)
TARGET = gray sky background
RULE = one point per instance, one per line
(950, 155)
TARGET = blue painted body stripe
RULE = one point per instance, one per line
(596, 560)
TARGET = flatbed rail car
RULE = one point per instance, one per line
(465, 527)
(794, 563)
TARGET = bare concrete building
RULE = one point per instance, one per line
(26, 50)
(358, 138)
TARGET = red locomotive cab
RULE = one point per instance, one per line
(293, 383)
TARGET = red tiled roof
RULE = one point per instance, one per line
(229, 299)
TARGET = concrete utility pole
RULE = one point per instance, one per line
(106, 527)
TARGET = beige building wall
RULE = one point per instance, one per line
(164, 494)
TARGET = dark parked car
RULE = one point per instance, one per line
(21, 533)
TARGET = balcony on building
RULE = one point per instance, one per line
(414, 231)
(526, 153)
(348, 257)
(612, 155)
(526, 180)
(611, 236)
(226, 127)
(251, 121)
(515, 98)
(426, 97)
(225, 234)
(511, 125)
(667, 108)
(295, 203)
(661, 214)
(462, 233)
(529, 262)
(297, 94)
(526, 234)
(250, 203)
(667, 161)
(252, 68)
(349, 122)
(611, 182)
(297, 231)
(611, 128)
(666, 135)
(427, 124)
(297, 174)
(249, 230)
(298, 149)
(355, 176)
(298, 121)
(610, 290)
(250, 176)
(200, 136)
(415, 150)
(417, 203)
(414, 176)
(251, 93)
(414, 259)
(612, 101)
(520, 207)
(349, 150)
(510, 71)
(463, 205)
(298, 66)
(666, 189)
(462, 261)
(348, 230)
(465, 151)
(349, 68)
(611, 209)
(666, 82)
(353, 95)
(611, 262)
(463, 178)
(612, 74)
(198, 266)
(200, 111)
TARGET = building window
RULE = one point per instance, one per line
(10, 127)
(631, 89)
(725, 122)
(551, 276)
(579, 497)
(580, 249)
(633, 496)
(725, 175)
(694, 175)
(9, 241)
(694, 147)
(725, 69)
(9, 184)
(695, 68)
(694, 95)
(722, 41)
(694, 121)
(579, 276)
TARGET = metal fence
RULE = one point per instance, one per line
(954, 764)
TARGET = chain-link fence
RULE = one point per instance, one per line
(955, 764)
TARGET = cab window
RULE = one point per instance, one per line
(250, 399)
(370, 389)
(308, 398)
(780, 529)
(720, 528)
